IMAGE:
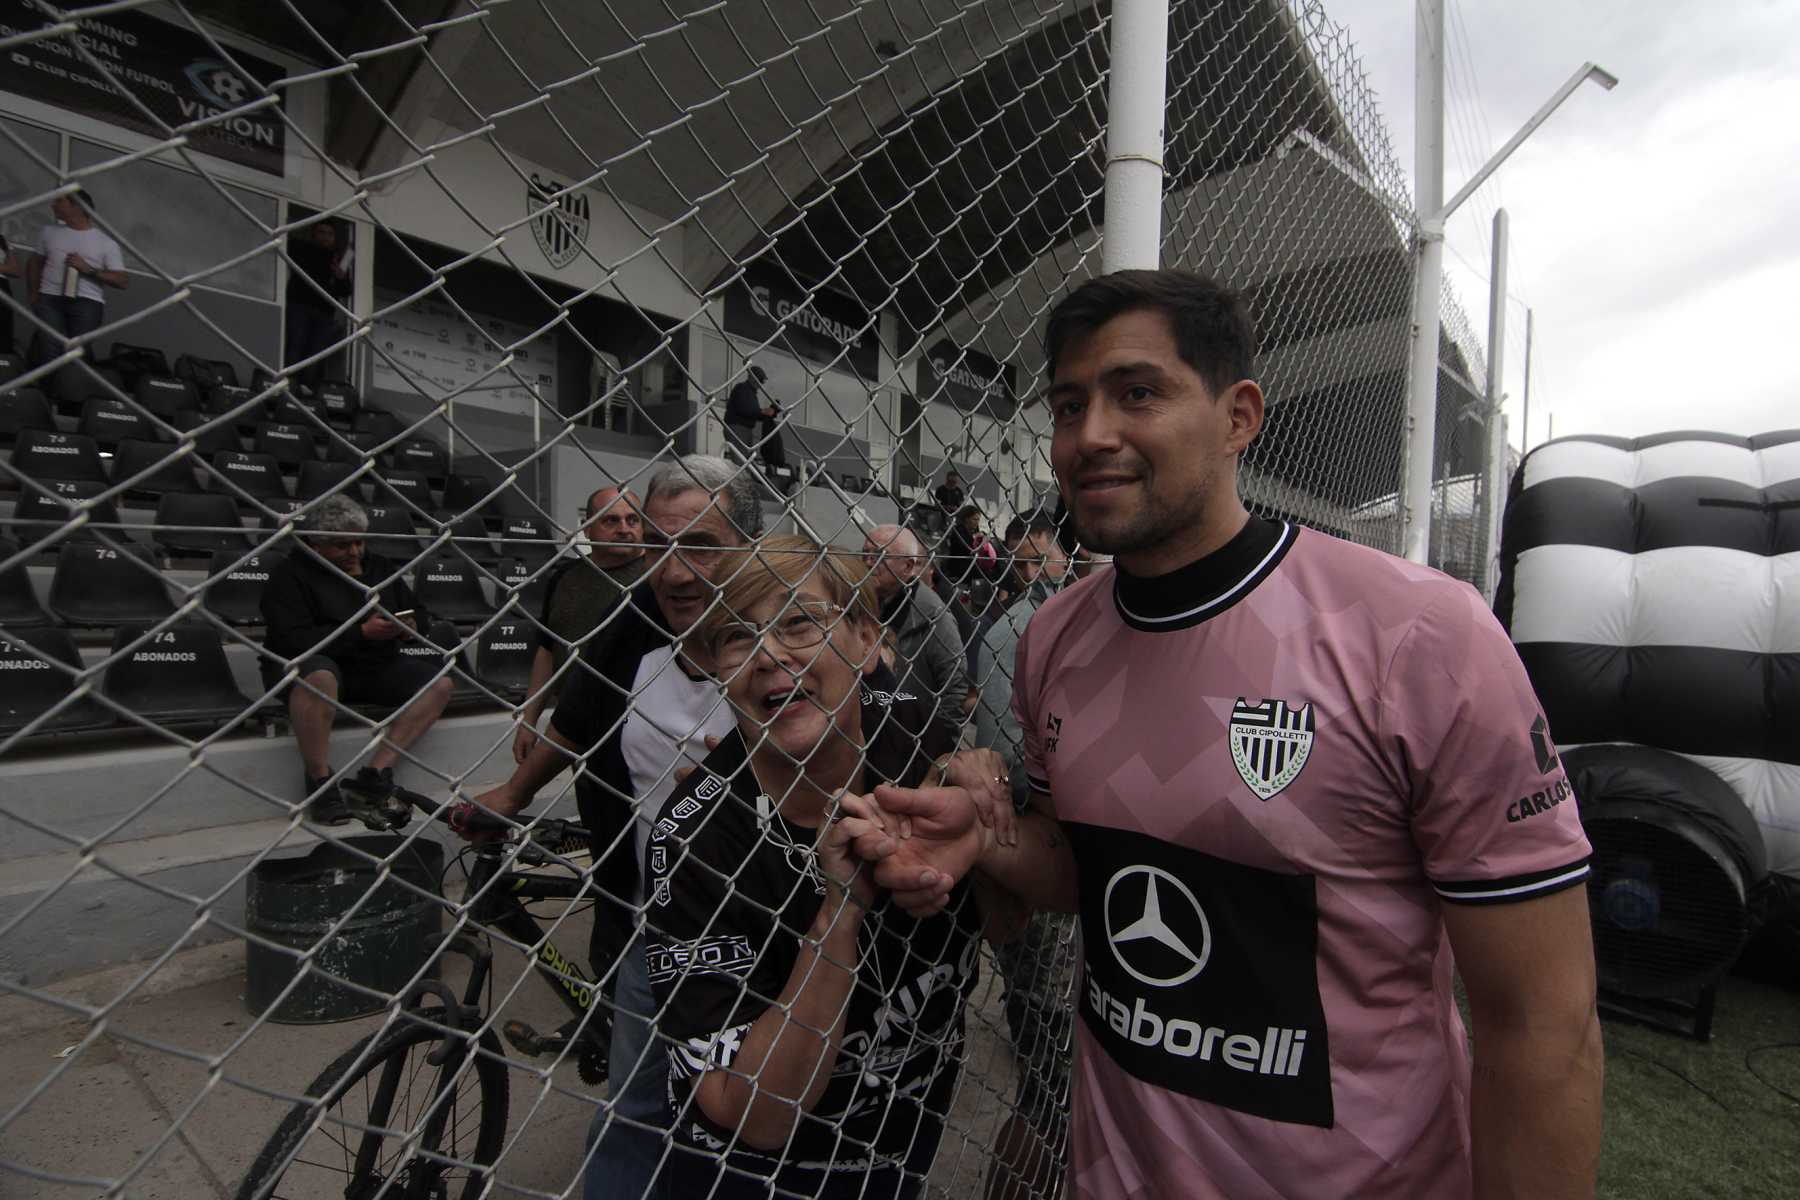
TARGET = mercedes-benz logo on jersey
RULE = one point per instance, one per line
(1270, 742)
(1157, 930)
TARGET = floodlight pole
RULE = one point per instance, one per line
(1495, 478)
(1525, 405)
(1139, 52)
(1428, 276)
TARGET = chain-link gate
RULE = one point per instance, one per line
(775, 272)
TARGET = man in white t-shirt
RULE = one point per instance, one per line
(74, 260)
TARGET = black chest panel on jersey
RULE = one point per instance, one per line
(1202, 974)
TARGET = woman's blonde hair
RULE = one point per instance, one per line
(782, 564)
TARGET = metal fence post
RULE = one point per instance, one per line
(1135, 100)
(1495, 474)
(1428, 278)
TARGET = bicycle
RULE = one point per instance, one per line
(368, 1127)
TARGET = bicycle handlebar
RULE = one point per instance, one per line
(468, 818)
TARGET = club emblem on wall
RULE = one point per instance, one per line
(559, 222)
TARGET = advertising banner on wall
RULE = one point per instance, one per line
(173, 72)
(824, 327)
(429, 347)
(968, 379)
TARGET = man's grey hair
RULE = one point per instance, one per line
(713, 475)
(336, 514)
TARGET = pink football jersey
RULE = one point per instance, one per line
(1271, 792)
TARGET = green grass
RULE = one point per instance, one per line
(1687, 1119)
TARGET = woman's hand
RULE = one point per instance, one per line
(845, 872)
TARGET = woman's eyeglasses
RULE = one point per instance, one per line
(801, 627)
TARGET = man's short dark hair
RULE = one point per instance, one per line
(83, 198)
(1015, 529)
(1212, 327)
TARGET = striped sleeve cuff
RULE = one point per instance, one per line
(1038, 785)
(1514, 888)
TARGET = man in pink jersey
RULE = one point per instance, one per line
(1284, 781)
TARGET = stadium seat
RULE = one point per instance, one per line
(351, 447)
(179, 675)
(422, 455)
(205, 373)
(439, 643)
(409, 486)
(277, 509)
(527, 582)
(527, 538)
(262, 379)
(294, 410)
(234, 594)
(288, 444)
(22, 409)
(132, 362)
(257, 474)
(37, 664)
(194, 525)
(165, 395)
(12, 365)
(503, 655)
(19, 605)
(246, 411)
(391, 532)
(323, 478)
(469, 538)
(43, 455)
(36, 513)
(110, 422)
(98, 585)
(378, 421)
(338, 403)
(469, 493)
(175, 474)
(216, 436)
(449, 587)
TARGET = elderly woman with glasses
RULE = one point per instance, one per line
(814, 1032)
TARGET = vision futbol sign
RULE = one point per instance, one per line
(969, 379)
(173, 72)
(767, 306)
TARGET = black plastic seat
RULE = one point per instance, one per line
(503, 655)
(378, 421)
(409, 486)
(277, 509)
(38, 513)
(465, 493)
(173, 474)
(351, 447)
(449, 587)
(323, 478)
(165, 395)
(217, 435)
(98, 585)
(290, 409)
(439, 645)
(391, 532)
(195, 524)
(178, 675)
(240, 402)
(110, 422)
(527, 538)
(133, 362)
(22, 409)
(38, 666)
(424, 456)
(338, 402)
(44, 455)
(19, 605)
(528, 581)
(257, 474)
(469, 538)
(205, 373)
(287, 443)
(12, 365)
(234, 594)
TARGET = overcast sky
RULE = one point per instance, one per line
(1655, 229)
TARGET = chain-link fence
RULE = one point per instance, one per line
(770, 271)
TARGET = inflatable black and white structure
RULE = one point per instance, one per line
(1652, 586)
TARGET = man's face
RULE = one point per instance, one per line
(615, 527)
(325, 235)
(1040, 556)
(699, 538)
(343, 551)
(1142, 448)
(893, 564)
(63, 208)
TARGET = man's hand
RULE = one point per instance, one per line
(523, 740)
(501, 800)
(933, 837)
(681, 773)
(80, 264)
(986, 777)
(380, 629)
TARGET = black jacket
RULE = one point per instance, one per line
(306, 600)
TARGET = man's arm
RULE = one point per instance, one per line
(549, 756)
(1535, 1108)
(34, 274)
(937, 838)
(537, 691)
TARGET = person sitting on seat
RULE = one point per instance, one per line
(749, 407)
(336, 617)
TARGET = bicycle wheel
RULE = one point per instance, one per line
(364, 1141)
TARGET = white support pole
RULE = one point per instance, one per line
(1428, 279)
(1496, 385)
(1134, 136)
(1525, 406)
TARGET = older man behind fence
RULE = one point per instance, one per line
(930, 657)
(637, 711)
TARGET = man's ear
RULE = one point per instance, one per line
(1245, 407)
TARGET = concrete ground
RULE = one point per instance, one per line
(164, 1098)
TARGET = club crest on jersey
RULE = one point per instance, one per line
(1270, 742)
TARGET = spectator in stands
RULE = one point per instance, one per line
(581, 592)
(748, 408)
(9, 271)
(949, 494)
(814, 1037)
(635, 709)
(930, 648)
(1038, 964)
(318, 283)
(76, 261)
(336, 616)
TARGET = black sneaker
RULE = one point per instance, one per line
(372, 795)
(326, 805)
